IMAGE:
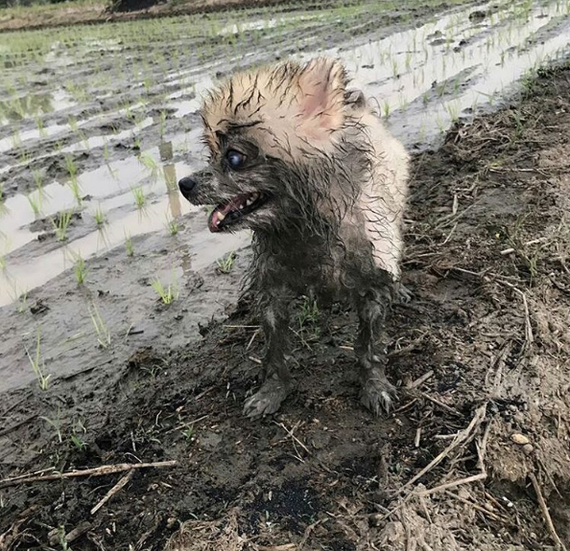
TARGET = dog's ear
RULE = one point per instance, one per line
(322, 87)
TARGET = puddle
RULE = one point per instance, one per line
(422, 79)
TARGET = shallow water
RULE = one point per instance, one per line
(422, 78)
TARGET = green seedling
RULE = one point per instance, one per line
(99, 216)
(172, 225)
(226, 264)
(56, 424)
(309, 313)
(129, 245)
(167, 294)
(138, 194)
(61, 224)
(37, 364)
(22, 302)
(101, 329)
(70, 166)
(80, 269)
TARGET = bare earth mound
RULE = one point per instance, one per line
(475, 457)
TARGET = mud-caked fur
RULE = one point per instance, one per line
(334, 186)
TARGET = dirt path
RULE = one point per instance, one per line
(480, 438)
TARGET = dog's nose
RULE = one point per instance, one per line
(187, 185)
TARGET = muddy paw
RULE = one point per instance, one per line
(403, 294)
(267, 400)
(378, 394)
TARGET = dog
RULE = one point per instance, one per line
(302, 159)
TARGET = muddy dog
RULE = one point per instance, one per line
(304, 161)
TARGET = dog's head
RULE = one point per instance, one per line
(264, 130)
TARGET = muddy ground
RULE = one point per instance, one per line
(476, 455)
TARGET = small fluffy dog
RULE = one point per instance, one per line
(306, 163)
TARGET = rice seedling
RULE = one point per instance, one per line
(172, 225)
(138, 194)
(61, 224)
(226, 264)
(38, 365)
(101, 329)
(309, 313)
(22, 303)
(166, 294)
(79, 269)
(70, 165)
(72, 122)
(56, 423)
(99, 216)
(129, 245)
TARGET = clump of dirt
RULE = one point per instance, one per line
(474, 457)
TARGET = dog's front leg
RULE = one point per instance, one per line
(274, 310)
(377, 392)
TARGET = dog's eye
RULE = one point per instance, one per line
(235, 158)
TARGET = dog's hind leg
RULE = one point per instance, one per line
(277, 385)
(372, 304)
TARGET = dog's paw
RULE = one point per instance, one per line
(267, 400)
(378, 394)
(403, 294)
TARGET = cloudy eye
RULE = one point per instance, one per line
(235, 158)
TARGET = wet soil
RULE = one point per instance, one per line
(480, 436)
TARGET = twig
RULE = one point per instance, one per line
(97, 471)
(441, 404)
(452, 484)
(290, 433)
(477, 507)
(460, 438)
(116, 488)
(546, 513)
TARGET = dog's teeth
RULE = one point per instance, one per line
(240, 207)
(248, 202)
(220, 217)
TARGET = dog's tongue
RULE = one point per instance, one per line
(221, 211)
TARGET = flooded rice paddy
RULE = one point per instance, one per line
(98, 123)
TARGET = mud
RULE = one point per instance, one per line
(480, 434)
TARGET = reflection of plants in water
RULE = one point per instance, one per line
(35, 201)
(149, 163)
(75, 189)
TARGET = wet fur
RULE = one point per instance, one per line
(337, 182)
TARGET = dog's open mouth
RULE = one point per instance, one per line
(231, 212)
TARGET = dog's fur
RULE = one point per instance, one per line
(333, 186)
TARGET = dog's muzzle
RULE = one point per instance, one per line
(187, 186)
